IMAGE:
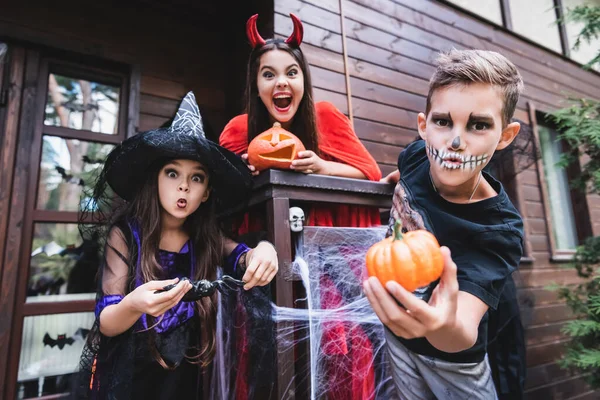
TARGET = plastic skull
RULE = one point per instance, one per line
(296, 219)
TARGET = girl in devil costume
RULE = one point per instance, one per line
(279, 89)
(155, 329)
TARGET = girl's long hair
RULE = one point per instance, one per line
(304, 125)
(206, 240)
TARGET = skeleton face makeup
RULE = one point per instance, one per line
(296, 219)
(453, 160)
(462, 130)
(455, 143)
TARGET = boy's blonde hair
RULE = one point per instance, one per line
(478, 66)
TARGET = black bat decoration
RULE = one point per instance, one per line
(88, 160)
(68, 177)
(61, 341)
(204, 287)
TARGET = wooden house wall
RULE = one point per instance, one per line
(174, 55)
(391, 46)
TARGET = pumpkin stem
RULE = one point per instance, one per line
(275, 138)
(398, 230)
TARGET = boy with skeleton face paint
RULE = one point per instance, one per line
(436, 336)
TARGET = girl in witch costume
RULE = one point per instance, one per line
(279, 89)
(154, 328)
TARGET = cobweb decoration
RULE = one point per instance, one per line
(334, 323)
(345, 336)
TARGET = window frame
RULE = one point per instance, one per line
(82, 70)
(508, 25)
(31, 131)
(581, 217)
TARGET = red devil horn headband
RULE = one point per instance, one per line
(257, 41)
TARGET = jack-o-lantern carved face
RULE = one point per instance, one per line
(274, 148)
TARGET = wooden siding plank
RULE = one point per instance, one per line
(521, 52)
(378, 132)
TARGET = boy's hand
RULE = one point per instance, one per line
(250, 167)
(417, 318)
(262, 265)
(308, 162)
(144, 300)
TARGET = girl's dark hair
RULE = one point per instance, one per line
(206, 240)
(304, 124)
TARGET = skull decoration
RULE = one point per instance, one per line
(274, 148)
(296, 219)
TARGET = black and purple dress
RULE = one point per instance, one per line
(125, 366)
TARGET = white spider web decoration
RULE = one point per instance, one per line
(334, 323)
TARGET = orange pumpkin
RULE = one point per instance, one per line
(274, 148)
(412, 259)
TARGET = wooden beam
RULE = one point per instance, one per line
(10, 226)
(80, 134)
(313, 181)
(19, 226)
(279, 234)
(562, 29)
(506, 15)
(60, 307)
(346, 69)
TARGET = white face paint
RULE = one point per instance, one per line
(296, 219)
(452, 160)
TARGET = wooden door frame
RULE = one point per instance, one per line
(27, 144)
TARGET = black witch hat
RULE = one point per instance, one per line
(229, 176)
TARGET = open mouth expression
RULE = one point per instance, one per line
(453, 160)
(282, 102)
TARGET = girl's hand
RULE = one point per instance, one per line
(309, 163)
(144, 300)
(417, 318)
(250, 167)
(262, 265)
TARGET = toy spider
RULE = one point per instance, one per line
(204, 287)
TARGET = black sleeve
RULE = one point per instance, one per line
(401, 157)
(485, 263)
(411, 156)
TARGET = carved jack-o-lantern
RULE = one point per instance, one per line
(274, 148)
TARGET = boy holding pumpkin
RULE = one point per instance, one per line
(436, 336)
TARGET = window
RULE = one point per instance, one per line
(488, 9)
(536, 20)
(50, 349)
(587, 51)
(567, 214)
(84, 117)
(80, 104)
(68, 168)
(557, 185)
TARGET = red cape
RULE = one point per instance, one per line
(337, 142)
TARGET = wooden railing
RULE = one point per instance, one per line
(276, 192)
